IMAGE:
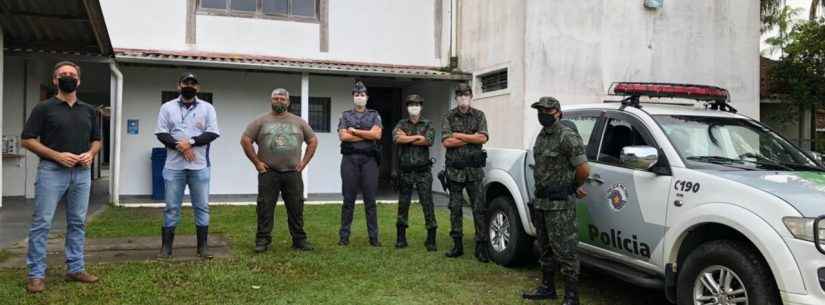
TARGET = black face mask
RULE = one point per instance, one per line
(188, 92)
(546, 120)
(67, 84)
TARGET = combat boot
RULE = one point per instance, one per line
(547, 290)
(302, 245)
(571, 293)
(481, 252)
(401, 241)
(458, 248)
(430, 243)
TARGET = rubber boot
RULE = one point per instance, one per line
(203, 236)
(167, 237)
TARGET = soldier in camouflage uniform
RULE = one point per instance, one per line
(561, 169)
(464, 131)
(414, 137)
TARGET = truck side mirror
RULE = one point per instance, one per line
(639, 157)
(816, 156)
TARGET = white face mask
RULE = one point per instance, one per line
(414, 110)
(360, 101)
(464, 101)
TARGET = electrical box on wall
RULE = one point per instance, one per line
(654, 4)
(11, 145)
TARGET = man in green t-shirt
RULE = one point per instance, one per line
(279, 135)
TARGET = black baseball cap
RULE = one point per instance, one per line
(188, 76)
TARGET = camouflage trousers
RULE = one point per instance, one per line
(423, 183)
(477, 204)
(557, 236)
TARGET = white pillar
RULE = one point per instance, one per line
(1, 109)
(305, 116)
(115, 123)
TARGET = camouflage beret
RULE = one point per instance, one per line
(414, 98)
(463, 88)
(547, 102)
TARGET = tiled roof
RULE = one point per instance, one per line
(64, 27)
(259, 62)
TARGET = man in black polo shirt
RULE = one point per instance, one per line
(63, 133)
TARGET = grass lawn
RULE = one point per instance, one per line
(357, 274)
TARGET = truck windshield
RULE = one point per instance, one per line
(732, 142)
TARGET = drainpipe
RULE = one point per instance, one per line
(305, 117)
(453, 34)
(115, 124)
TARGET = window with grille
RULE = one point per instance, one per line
(280, 9)
(319, 111)
(494, 81)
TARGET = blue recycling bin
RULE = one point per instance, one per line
(158, 161)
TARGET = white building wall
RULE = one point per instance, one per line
(21, 92)
(575, 50)
(237, 103)
(1, 111)
(150, 24)
(377, 31)
(576, 56)
(491, 37)
(13, 107)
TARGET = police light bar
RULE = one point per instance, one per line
(666, 90)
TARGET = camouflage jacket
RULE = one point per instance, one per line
(471, 122)
(558, 151)
(410, 155)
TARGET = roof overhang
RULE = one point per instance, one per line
(281, 64)
(72, 27)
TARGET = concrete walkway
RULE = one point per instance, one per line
(16, 214)
(113, 250)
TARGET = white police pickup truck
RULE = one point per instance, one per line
(685, 195)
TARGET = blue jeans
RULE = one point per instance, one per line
(53, 182)
(176, 181)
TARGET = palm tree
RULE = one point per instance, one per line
(783, 21)
(815, 5)
(768, 11)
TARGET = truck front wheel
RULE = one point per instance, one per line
(509, 244)
(725, 272)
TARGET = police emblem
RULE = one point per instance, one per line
(617, 197)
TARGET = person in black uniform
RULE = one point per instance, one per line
(359, 130)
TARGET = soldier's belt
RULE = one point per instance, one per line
(476, 160)
(355, 151)
(465, 164)
(416, 168)
(556, 193)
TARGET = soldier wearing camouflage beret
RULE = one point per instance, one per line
(560, 171)
(463, 134)
(414, 136)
